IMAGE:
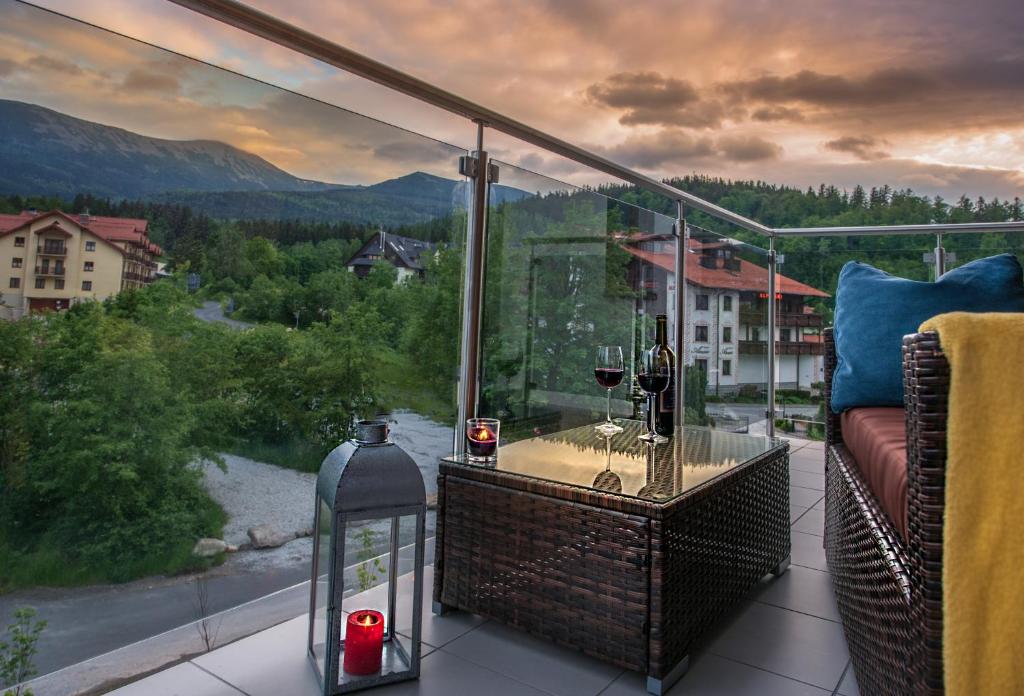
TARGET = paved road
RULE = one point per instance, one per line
(212, 312)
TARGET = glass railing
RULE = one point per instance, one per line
(727, 332)
(154, 440)
(567, 270)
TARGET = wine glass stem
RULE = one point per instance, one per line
(609, 409)
(650, 414)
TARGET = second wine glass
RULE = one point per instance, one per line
(653, 374)
(608, 370)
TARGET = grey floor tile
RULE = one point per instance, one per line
(437, 630)
(807, 551)
(807, 460)
(848, 686)
(800, 589)
(785, 642)
(181, 680)
(795, 511)
(712, 675)
(543, 665)
(445, 674)
(804, 497)
(811, 522)
(269, 663)
(806, 479)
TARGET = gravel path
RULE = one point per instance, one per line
(254, 493)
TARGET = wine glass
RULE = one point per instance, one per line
(608, 369)
(653, 374)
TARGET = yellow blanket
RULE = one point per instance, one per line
(983, 549)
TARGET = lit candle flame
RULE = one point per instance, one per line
(367, 619)
(482, 433)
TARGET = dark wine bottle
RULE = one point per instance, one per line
(665, 402)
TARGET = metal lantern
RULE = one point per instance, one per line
(368, 527)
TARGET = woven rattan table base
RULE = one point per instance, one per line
(629, 582)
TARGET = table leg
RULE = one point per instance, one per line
(782, 567)
(658, 687)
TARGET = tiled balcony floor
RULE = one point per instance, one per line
(784, 641)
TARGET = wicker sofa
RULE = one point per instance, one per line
(887, 573)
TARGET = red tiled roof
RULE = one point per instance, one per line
(750, 276)
(109, 229)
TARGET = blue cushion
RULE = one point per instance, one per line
(874, 310)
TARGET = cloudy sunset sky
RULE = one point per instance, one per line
(910, 93)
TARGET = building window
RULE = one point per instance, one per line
(726, 368)
(58, 283)
(90, 246)
(19, 241)
(726, 334)
(701, 365)
(702, 301)
(16, 262)
(727, 303)
(784, 335)
(700, 334)
(40, 283)
(755, 334)
(15, 282)
(87, 285)
(88, 265)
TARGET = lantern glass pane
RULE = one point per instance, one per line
(323, 556)
(368, 571)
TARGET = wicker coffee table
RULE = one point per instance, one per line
(626, 552)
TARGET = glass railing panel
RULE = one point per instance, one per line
(815, 263)
(727, 332)
(964, 248)
(232, 277)
(566, 271)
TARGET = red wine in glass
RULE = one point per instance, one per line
(608, 377)
(608, 370)
(653, 374)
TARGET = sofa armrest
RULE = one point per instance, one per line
(926, 398)
(833, 433)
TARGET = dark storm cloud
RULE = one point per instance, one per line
(649, 98)
(141, 80)
(880, 87)
(865, 147)
(54, 65)
(677, 148)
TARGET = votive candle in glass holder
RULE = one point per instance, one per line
(482, 439)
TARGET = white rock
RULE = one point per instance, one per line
(263, 536)
(205, 548)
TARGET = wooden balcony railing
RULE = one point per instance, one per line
(760, 318)
(51, 250)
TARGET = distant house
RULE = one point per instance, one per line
(53, 259)
(407, 255)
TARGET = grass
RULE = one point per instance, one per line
(294, 454)
(46, 564)
(404, 387)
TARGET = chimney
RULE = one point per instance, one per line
(85, 218)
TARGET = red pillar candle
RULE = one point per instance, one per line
(364, 642)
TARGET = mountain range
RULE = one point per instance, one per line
(45, 152)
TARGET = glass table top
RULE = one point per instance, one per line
(626, 465)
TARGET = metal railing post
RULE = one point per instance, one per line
(476, 168)
(940, 256)
(682, 239)
(770, 430)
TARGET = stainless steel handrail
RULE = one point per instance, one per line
(931, 228)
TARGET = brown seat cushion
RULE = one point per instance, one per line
(877, 439)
